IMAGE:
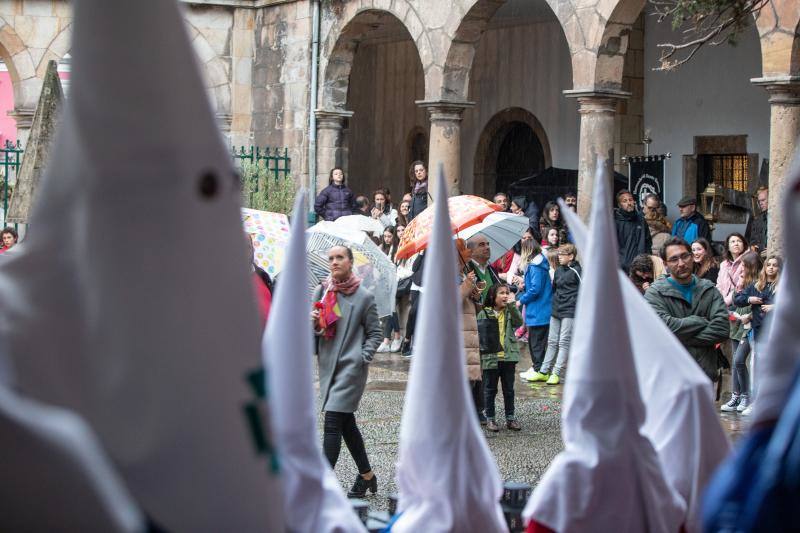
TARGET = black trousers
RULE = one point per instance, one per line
(537, 343)
(476, 388)
(505, 374)
(338, 425)
(411, 322)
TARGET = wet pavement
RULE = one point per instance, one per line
(521, 456)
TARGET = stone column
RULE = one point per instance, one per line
(445, 142)
(330, 149)
(24, 120)
(784, 103)
(597, 110)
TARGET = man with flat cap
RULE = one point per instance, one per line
(691, 225)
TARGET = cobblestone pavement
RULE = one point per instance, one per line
(521, 456)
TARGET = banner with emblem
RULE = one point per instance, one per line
(646, 176)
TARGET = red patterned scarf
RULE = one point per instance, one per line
(329, 307)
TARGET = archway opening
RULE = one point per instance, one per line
(383, 82)
(520, 155)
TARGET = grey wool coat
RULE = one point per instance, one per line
(344, 359)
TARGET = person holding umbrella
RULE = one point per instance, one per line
(346, 323)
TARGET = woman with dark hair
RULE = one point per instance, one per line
(403, 212)
(389, 242)
(336, 200)
(418, 175)
(705, 266)
(551, 219)
(9, 239)
(730, 271)
(382, 209)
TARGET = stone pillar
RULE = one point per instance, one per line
(330, 149)
(24, 120)
(445, 142)
(597, 110)
(784, 100)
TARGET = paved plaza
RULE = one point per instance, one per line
(521, 456)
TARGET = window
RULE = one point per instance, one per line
(730, 171)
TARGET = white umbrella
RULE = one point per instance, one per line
(503, 230)
(376, 270)
(360, 223)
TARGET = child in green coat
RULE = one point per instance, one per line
(498, 320)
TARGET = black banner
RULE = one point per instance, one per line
(646, 176)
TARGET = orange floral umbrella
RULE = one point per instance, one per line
(465, 211)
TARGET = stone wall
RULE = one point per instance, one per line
(630, 113)
(280, 100)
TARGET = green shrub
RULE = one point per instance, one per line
(262, 190)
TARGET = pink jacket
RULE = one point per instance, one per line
(730, 275)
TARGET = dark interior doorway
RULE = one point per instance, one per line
(520, 155)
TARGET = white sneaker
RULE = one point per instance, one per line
(395, 346)
(527, 375)
(748, 410)
(744, 403)
(731, 405)
(384, 347)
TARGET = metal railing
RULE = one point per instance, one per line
(10, 161)
(277, 160)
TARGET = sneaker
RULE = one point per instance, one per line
(492, 426)
(395, 346)
(384, 347)
(744, 403)
(538, 376)
(748, 411)
(732, 404)
(525, 376)
(553, 379)
(513, 425)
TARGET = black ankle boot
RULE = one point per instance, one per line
(361, 485)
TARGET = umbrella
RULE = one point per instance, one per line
(465, 211)
(376, 270)
(361, 223)
(503, 230)
(269, 233)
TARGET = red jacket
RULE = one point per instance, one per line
(264, 298)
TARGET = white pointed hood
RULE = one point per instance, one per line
(130, 300)
(447, 477)
(313, 498)
(781, 353)
(609, 477)
(50, 455)
(681, 419)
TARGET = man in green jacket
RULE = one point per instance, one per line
(691, 307)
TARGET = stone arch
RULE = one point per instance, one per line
(216, 73)
(349, 25)
(778, 26)
(466, 35)
(491, 140)
(16, 57)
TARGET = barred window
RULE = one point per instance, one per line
(731, 171)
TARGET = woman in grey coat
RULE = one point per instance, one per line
(349, 332)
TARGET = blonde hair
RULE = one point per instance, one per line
(528, 250)
(568, 249)
(761, 284)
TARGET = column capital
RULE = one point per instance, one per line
(445, 110)
(331, 118)
(782, 89)
(23, 116)
(597, 101)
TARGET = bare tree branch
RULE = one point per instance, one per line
(703, 23)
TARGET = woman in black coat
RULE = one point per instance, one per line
(336, 200)
(418, 175)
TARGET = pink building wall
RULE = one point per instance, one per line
(8, 126)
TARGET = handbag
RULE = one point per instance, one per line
(404, 287)
(489, 336)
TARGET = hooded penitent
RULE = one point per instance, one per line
(130, 301)
(313, 498)
(681, 419)
(447, 477)
(609, 477)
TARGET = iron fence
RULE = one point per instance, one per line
(10, 160)
(276, 160)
